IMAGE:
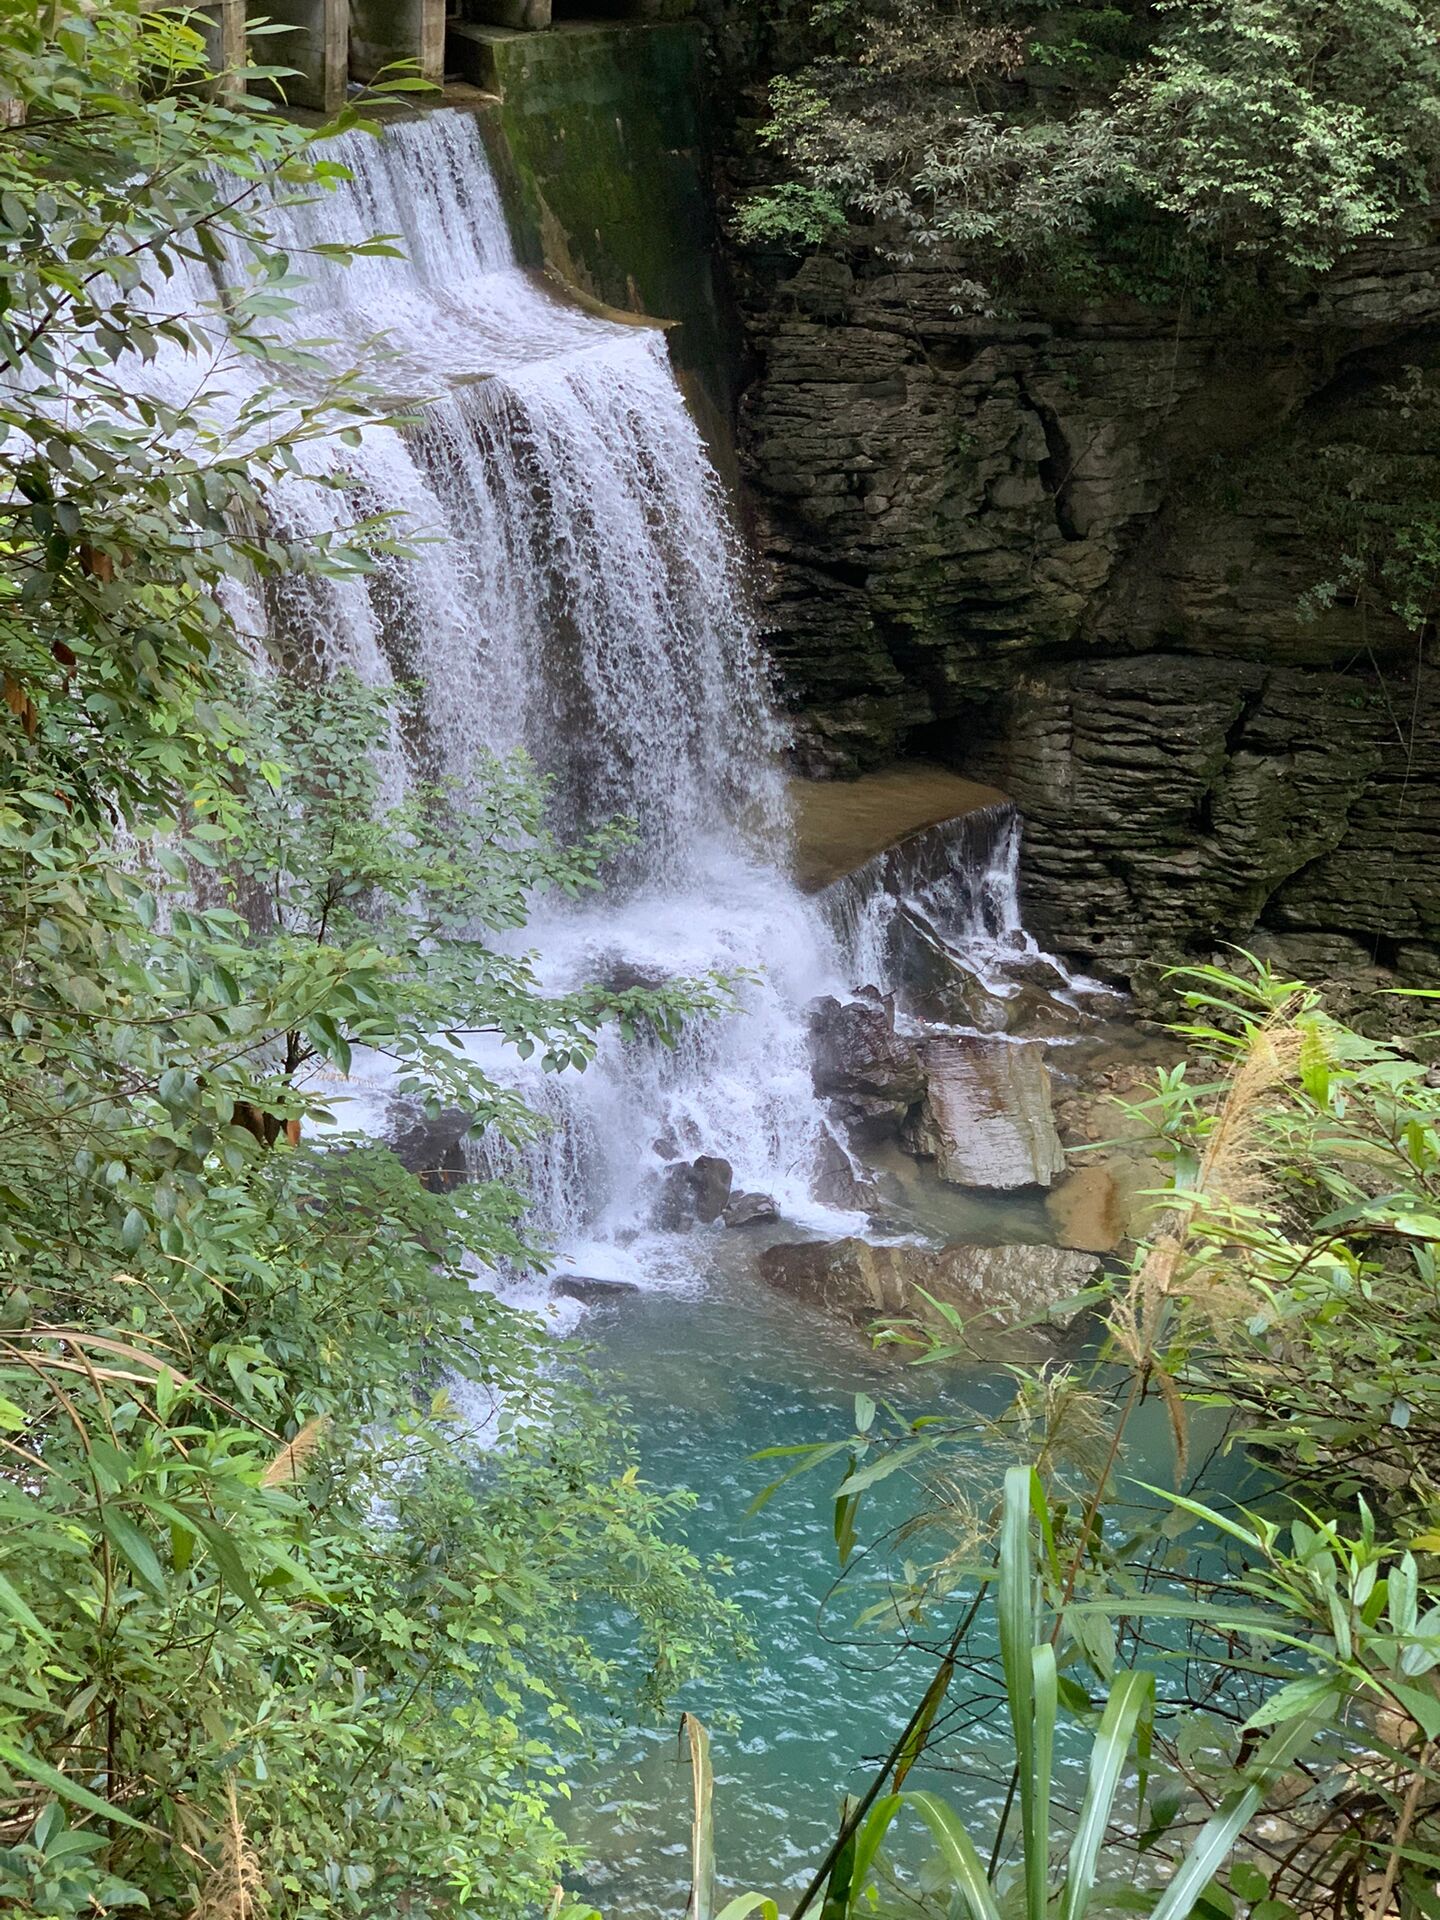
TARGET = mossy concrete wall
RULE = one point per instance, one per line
(384, 31)
(314, 45)
(601, 141)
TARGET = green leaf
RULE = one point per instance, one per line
(29, 1766)
(131, 1544)
(1128, 1699)
(958, 1855)
(914, 1743)
(11, 1603)
(227, 1558)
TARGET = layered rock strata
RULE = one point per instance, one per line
(1084, 556)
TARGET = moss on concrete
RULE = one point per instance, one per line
(604, 156)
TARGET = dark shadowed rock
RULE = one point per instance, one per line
(1069, 557)
(589, 1290)
(872, 1074)
(618, 975)
(836, 1182)
(747, 1209)
(994, 1288)
(695, 1190)
(433, 1150)
(986, 1119)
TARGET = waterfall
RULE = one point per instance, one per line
(573, 587)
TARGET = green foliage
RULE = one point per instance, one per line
(1005, 135)
(1315, 1255)
(373, 1644)
(300, 1531)
(1288, 1289)
(1291, 127)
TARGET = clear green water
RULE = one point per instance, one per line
(711, 1378)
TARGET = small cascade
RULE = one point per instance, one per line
(959, 879)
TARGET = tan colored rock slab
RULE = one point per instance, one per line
(986, 1118)
(1087, 1210)
(993, 1288)
(840, 824)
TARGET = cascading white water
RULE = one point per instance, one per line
(573, 587)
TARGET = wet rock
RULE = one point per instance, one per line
(696, 1190)
(747, 1209)
(849, 1278)
(1012, 1283)
(619, 975)
(986, 1119)
(432, 1149)
(994, 1288)
(589, 1290)
(836, 1181)
(872, 1074)
(936, 982)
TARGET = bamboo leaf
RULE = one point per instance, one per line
(841, 1884)
(134, 1548)
(868, 1839)
(1045, 1690)
(915, 1741)
(227, 1557)
(957, 1850)
(1216, 1838)
(1017, 1638)
(27, 1766)
(11, 1603)
(1127, 1700)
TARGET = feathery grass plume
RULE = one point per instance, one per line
(1235, 1173)
(235, 1889)
(1235, 1168)
(290, 1462)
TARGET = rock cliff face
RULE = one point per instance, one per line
(1068, 554)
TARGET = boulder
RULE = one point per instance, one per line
(994, 1288)
(850, 1278)
(1087, 1209)
(1011, 1283)
(872, 1073)
(695, 1190)
(986, 1118)
(433, 1150)
(746, 1209)
(589, 1290)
